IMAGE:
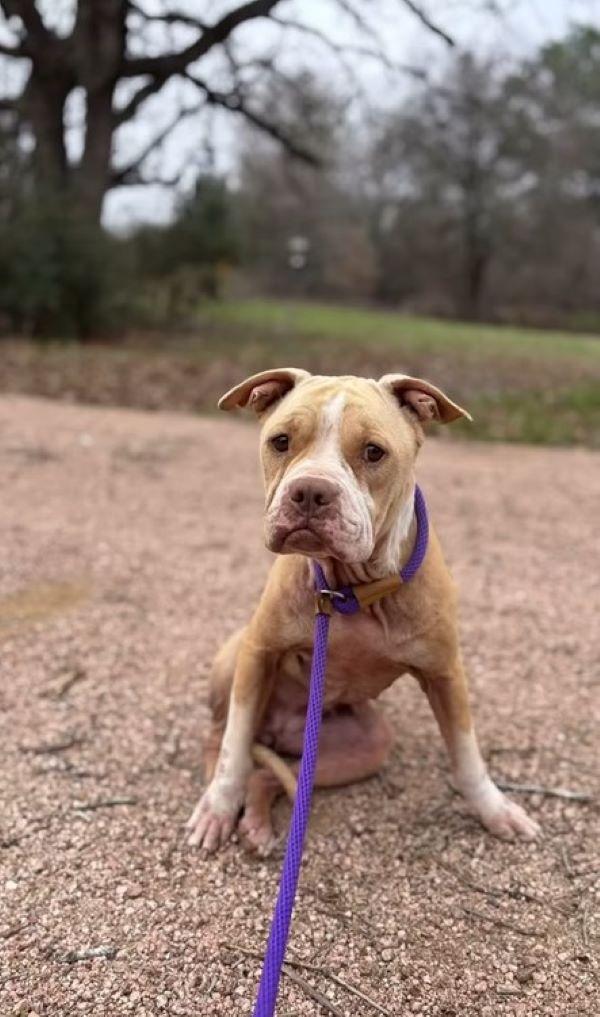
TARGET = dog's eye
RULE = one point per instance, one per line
(280, 442)
(373, 452)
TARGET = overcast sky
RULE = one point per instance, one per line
(522, 27)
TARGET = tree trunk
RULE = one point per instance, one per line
(43, 105)
(475, 274)
(92, 177)
(476, 233)
(99, 40)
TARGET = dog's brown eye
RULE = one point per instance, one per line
(373, 452)
(280, 442)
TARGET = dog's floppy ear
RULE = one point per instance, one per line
(423, 398)
(260, 391)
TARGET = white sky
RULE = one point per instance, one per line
(523, 26)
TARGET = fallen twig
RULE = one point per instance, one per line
(316, 969)
(48, 748)
(564, 857)
(312, 993)
(13, 930)
(499, 891)
(354, 991)
(105, 803)
(90, 953)
(339, 915)
(502, 923)
(509, 990)
(549, 792)
(584, 925)
(60, 689)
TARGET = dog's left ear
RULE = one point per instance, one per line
(423, 399)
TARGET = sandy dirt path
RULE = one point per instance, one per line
(131, 545)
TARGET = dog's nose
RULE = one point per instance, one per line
(311, 495)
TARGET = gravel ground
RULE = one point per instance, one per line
(131, 548)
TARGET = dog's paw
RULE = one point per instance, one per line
(257, 835)
(504, 818)
(213, 820)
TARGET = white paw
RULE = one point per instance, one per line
(213, 820)
(502, 817)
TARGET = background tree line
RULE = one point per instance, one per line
(476, 195)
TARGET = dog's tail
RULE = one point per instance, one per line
(266, 757)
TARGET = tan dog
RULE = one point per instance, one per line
(338, 457)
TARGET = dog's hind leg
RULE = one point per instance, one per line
(354, 744)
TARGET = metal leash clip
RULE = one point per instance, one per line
(324, 600)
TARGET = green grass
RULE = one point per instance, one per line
(562, 416)
(521, 385)
(396, 331)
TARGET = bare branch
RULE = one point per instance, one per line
(359, 20)
(37, 33)
(340, 52)
(131, 173)
(12, 51)
(169, 18)
(339, 49)
(235, 102)
(424, 18)
(121, 116)
(176, 63)
(139, 179)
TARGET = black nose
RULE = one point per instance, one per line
(311, 495)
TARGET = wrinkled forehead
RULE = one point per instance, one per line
(347, 407)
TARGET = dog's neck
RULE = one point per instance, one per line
(392, 549)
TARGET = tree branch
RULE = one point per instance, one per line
(12, 51)
(176, 63)
(121, 116)
(360, 22)
(235, 102)
(138, 179)
(37, 33)
(169, 18)
(339, 49)
(425, 20)
(130, 174)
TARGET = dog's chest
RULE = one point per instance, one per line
(361, 662)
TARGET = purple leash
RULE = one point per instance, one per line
(344, 601)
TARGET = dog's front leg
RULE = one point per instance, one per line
(448, 698)
(213, 820)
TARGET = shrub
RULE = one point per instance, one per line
(60, 275)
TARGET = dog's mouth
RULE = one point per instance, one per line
(301, 539)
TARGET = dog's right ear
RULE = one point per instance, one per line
(259, 392)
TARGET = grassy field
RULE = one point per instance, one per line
(520, 385)
(391, 330)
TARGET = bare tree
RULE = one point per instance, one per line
(447, 165)
(106, 45)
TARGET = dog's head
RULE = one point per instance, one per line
(337, 455)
